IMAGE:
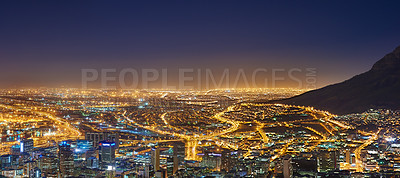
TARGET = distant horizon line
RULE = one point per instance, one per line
(162, 89)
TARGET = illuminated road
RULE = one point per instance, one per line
(191, 141)
(318, 133)
(357, 152)
(282, 150)
(260, 130)
(163, 118)
(236, 127)
(65, 129)
(126, 143)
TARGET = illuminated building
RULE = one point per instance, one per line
(107, 154)
(229, 159)
(87, 172)
(304, 165)
(80, 149)
(287, 167)
(179, 154)
(97, 137)
(29, 167)
(155, 158)
(26, 145)
(82, 146)
(92, 163)
(15, 149)
(12, 173)
(327, 160)
(170, 166)
(48, 165)
(212, 160)
(147, 170)
(65, 155)
(159, 174)
(36, 173)
(9, 161)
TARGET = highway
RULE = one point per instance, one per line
(65, 129)
(357, 152)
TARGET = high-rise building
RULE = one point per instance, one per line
(9, 161)
(179, 154)
(158, 174)
(26, 145)
(212, 160)
(83, 145)
(65, 155)
(92, 163)
(80, 149)
(287, 167)
(48, 165)
(97, 137)
(229, 159)
(327, 160)
(91, 153)
(147, 171)
(53, 150)
(155, 158)
(36, 173)
(107, 154)
(348, 156)
(15, 149)
(28, 167)
(170, 166)
(304, 165)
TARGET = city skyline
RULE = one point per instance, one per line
(194, 89)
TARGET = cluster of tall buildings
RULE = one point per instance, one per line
(90, 157)
(94, 156)
(165, 160)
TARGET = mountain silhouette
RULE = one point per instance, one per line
(377, 88)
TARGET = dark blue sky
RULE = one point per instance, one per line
(58, 38)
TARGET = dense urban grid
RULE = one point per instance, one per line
(173, 133)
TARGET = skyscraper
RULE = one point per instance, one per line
(92, 163)
(80, 150)
(155, 158)
(327, 160)
(287, 167)
(107, 154)
(229, 159)
(212, 160)
(83, 145)
(26, 145)
(170, 166)
(65, 155)
(36, 173)
(9, 161)
(97, 137)
(48, 165)
(179, 152)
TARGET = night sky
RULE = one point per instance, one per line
(44, 42)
